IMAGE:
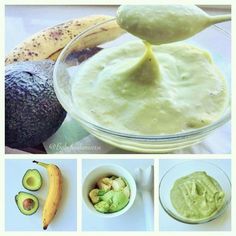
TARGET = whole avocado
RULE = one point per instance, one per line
(32, 111)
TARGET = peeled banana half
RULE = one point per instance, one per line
(48, 43)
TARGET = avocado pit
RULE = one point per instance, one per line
(28, 204)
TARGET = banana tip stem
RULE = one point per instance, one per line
(41, 163)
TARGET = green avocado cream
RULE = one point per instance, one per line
(159, 24)
(110, 195)
(197, 196)
(140, 89)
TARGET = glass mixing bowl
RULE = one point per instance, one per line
(186, 168)
(109, 34)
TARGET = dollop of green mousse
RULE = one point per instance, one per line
(146, 70)
(160, 24)
(197, 196)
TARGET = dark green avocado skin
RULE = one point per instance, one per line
(32, 111)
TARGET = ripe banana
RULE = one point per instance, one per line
(48, 43)
(54, 193)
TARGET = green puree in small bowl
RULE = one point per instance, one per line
(197, 196)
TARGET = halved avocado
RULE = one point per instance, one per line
(32, 180)
(27, 203)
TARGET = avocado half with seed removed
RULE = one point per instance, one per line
(27, 203)
(32, 180)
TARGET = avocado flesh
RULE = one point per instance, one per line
(112, 201)
(20, 202)
(112, 195)
(32, 180)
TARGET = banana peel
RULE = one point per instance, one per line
(54, 193)
(48, 43)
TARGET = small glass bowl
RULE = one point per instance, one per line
(186, 168)
(109, 34)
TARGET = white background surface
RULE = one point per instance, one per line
(66, 217)
(167, 223)
(23, 21)
(134, 218)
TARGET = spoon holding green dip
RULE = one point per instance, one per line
(161, 24)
